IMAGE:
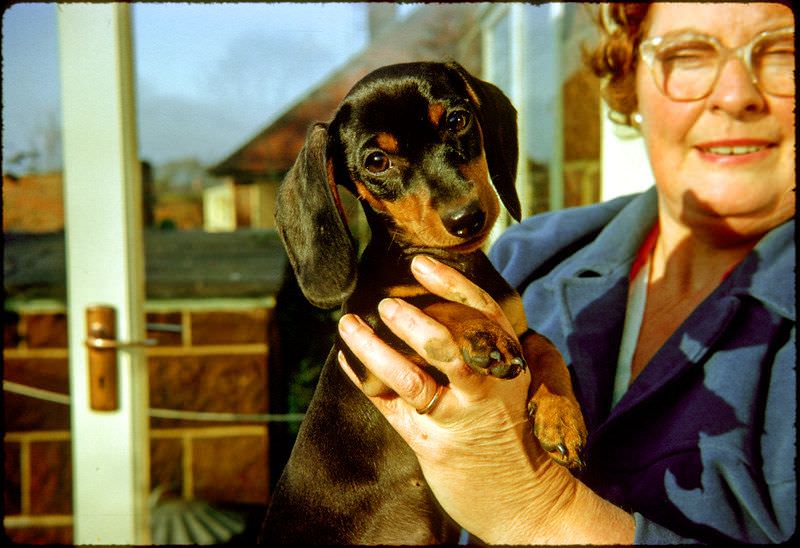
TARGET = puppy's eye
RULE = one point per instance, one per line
(377, 162)
(457, 121)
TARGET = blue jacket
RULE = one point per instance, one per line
(702, 446)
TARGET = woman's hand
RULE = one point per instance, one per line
(475, 446)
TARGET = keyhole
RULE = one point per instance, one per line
(101, 381)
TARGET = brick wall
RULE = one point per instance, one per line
(33, 203)
(211, 358)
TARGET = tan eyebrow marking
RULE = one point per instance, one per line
(435, 112)
(387, 142)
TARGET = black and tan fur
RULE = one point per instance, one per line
(427, 148)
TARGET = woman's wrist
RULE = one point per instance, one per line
(545, 503)
(559, 509)
(594, 520)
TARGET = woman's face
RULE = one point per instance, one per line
(725, 161)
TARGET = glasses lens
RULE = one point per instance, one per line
(773, 64)
(686, 69)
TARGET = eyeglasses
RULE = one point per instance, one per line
(686, 66)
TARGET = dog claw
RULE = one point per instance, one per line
(563, 450)
(502, 371)
(492, 353)
(476, 361)
(494, 365)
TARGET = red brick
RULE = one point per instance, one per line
(228, 384)
(22, 413)
(40, 535)
(27, 413)
(45, 373)
(166, 463)
(45, 330)
(12, 494)
(51, 477)
(33, 203)
(231, 470)
(229, 327)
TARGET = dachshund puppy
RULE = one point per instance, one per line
(427, 148)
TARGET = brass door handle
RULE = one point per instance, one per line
(102, 344)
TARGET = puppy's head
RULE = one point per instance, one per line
(422, 144)
(427, 147)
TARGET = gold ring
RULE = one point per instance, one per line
(431, 404)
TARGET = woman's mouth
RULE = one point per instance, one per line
(735, 151)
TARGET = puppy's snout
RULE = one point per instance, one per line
(466, 222)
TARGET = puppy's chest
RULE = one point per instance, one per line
(391, 277)
(369, 292)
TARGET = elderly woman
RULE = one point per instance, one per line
(674, 309)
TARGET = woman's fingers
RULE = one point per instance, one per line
(426, 336)
(429, 338)
(450, 284)
(410, 382)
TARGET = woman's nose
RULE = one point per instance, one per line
(735, 92)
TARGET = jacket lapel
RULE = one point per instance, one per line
(685, 349)
(758, 276)
(592, 301)
(594, 310)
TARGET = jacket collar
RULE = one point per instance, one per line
(768, 273)
(770, 262)
(593, 297)
(610, 250)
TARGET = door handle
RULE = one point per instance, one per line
(102, 345)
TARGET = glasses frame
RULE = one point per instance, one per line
(648, 49)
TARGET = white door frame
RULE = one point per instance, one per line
(105, 265)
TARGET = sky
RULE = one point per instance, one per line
(209, 76)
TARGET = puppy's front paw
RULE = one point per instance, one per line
(559, 427)
(491, 352)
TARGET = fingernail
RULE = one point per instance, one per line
(388, 307)
(348, 324)
(423, 264)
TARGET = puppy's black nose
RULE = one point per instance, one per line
(466, 222)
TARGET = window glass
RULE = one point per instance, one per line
(500, 65)
(541, 102)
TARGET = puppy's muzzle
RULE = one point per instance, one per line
(466, 222)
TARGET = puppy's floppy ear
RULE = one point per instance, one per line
(498, 119)
(311, 224)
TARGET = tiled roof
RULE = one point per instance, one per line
(179, 264)
(430, 33)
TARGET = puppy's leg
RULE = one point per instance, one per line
(557, 420)
(556, 414)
